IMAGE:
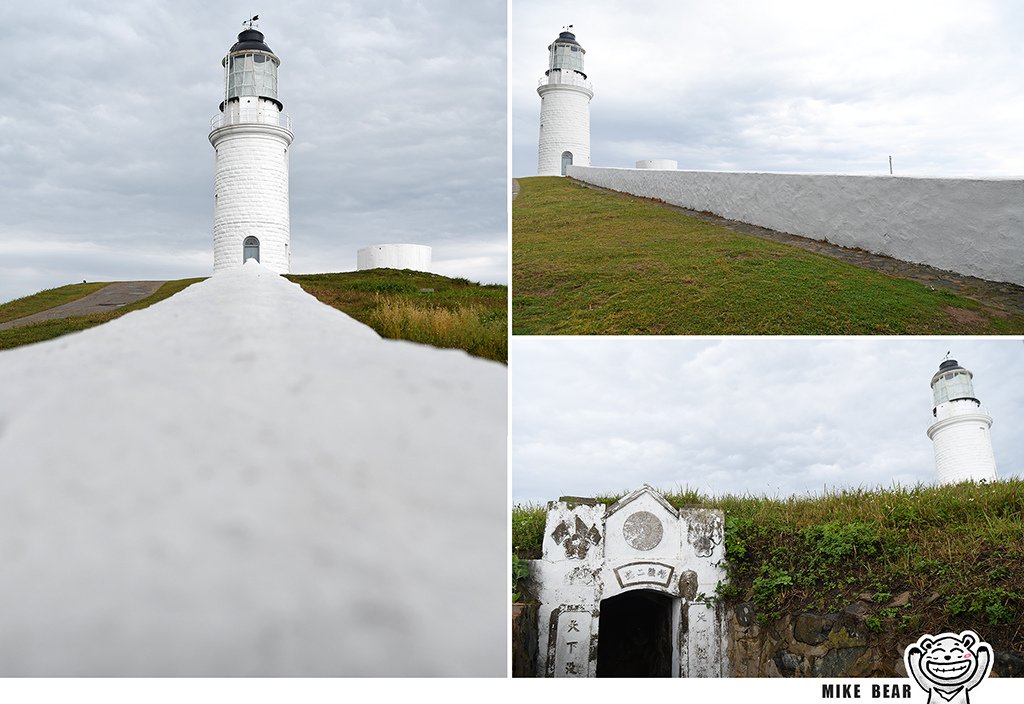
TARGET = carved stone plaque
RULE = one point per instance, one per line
(643, 531)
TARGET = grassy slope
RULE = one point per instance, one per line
(958, 550)
(47, 330)
(587, 262)
(45, 300)
(456, 313)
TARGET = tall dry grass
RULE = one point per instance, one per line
(478, 330)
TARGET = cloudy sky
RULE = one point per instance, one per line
(399, 110)
(792, 85)
(769, 416)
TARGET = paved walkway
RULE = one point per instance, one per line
(999, 295)
(107, 298)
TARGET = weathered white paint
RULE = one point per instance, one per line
(394, 256)
(242, 481)
(592, 553)
(961, 433)
(969, 226)
(564, 127)
(657, 164)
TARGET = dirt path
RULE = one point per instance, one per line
(106, 299)
(998, 295)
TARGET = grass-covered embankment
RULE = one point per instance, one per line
(49, 329)
(958, 551)
(420, 307)
(45, 300)
(591, 262)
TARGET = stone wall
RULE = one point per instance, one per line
(814, 644)
(524, 640)
(970, 226)
(808, 644)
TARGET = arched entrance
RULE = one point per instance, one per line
(566, 162)
(635, 637)
(250, 249)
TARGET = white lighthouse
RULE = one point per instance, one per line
(961, 431)
(251, 137)
(565, 95)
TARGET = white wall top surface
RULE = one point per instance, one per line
(241, 480)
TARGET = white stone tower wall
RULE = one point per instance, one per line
(962, 440)
(251, 194)
(564, 127)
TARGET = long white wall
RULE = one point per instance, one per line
(970, 226)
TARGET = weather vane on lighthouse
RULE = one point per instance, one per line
(251, 22)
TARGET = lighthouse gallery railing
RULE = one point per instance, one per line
(257, 116)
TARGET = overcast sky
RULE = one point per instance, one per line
(790, 86)
(399, 112)
(768, 416)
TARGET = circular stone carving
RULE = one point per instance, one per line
(643, 531)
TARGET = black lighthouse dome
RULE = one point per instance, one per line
(567, 37)
(250, 40)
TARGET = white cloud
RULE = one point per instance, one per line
(738, 415)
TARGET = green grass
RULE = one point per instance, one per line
(421, 307)
(49, 329)
(407, 305)
(591, 262)
(45, 300)
(958, 550)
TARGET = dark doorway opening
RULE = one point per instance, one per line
(635, 635)
(566, 162)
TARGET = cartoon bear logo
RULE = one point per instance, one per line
(948, 666)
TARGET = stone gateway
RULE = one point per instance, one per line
(626, 590)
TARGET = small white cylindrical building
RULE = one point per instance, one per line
(658, 164)
(961, 431)
(394, 256)
(565, 95)
(250, 137)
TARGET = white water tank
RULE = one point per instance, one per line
(658, 164)
(394, 256)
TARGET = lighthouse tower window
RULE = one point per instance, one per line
(250, 249)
